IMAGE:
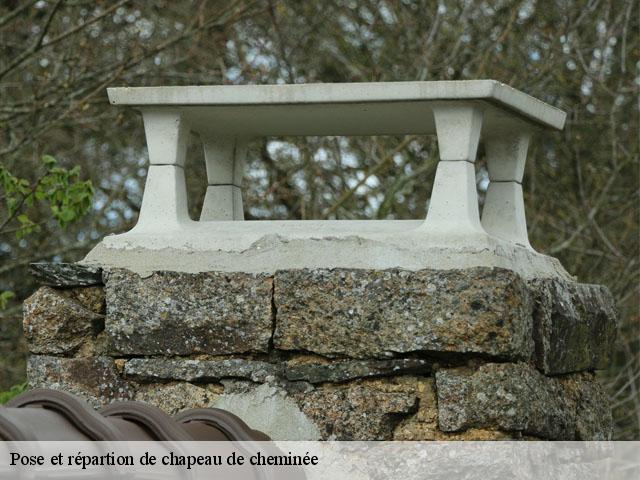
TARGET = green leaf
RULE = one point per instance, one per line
(27, 226)
(67, 215)
(4, 300)
(49, 161)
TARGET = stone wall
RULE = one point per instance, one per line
(342, 354)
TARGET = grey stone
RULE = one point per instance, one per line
(91, 298)
(369, 313)
(66, 274)
(575, 326)
(423, 425)
(516, 397)
(174, 313)
(159, 369)
(341, 371)
(196, 370)
(363, 410)
(594, 420)
(53, 323)
(175, 397)
(95, 379)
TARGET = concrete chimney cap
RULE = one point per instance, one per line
(225, 118)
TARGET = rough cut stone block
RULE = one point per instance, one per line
(66, 274)
(341, 371)
(593, 413)
(423, 424)
(91, 298)
(56, 324)
(154, 369)
(366, 410)
(161, 369)
(175, 397)
(574, 326)
(368, 313)
(95, 379)
(516, 397)
(176, 313)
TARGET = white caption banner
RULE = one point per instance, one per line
(321, 460)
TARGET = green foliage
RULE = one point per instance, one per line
(68, 197)
(12, 392)
(61, 190)
(4, 299)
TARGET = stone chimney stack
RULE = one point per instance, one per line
(451, 327)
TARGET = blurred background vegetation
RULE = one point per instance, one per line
(581, 185)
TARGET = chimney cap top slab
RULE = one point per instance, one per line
(313, 98)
